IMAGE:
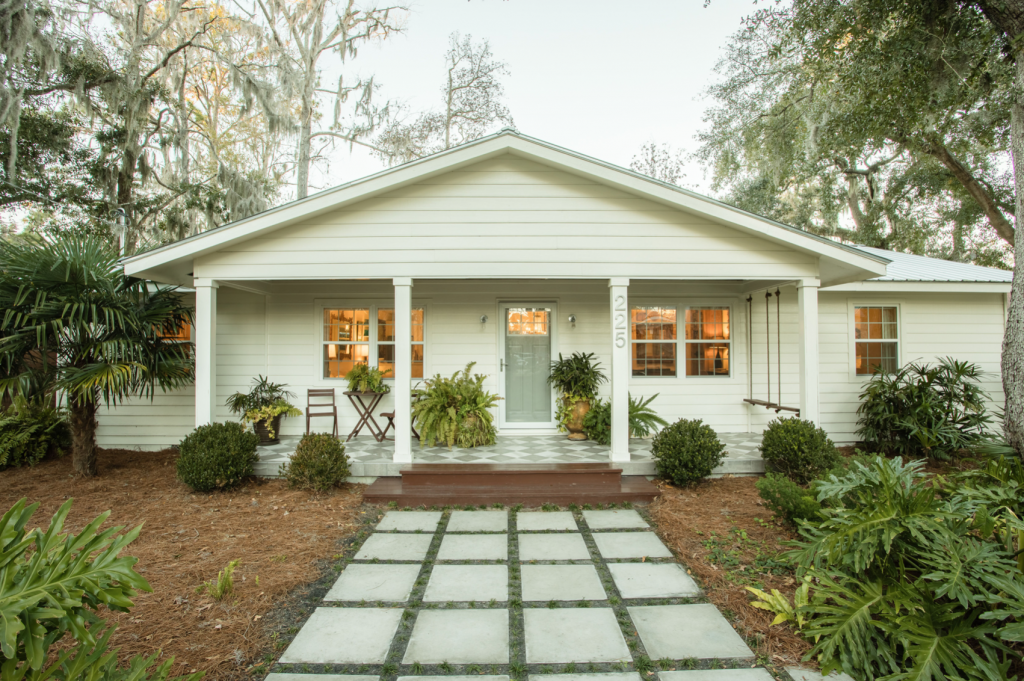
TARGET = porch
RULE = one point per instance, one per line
(371, 459)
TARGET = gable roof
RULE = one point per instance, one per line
(173, 263)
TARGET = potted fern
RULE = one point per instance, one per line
(366, 379)
(455, 410)
(264, 406)
(577, 379)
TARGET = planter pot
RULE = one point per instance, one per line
(575, 424)
(261, 429)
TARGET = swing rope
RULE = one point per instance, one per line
(768, 404)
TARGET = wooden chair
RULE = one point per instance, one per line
(390, 416)
(322, 408)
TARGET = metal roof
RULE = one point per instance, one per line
(906, 267)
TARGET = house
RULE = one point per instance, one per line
(508, 251)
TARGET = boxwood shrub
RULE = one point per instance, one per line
(217, 456)
(319, 463)
(788, 500)
(798, 449)
(687, 451)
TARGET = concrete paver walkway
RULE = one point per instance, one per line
(528, 595)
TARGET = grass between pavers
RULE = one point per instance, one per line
(517, 668)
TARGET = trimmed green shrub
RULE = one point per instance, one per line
(29, 431)
(217, 456)
(319, 463)
(798, 449)
(788, 500)
(687, 451)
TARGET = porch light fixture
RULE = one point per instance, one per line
(572, 320)
(483, 319)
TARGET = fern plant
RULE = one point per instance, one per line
(455, 410)
(363, 378)
(643, 420)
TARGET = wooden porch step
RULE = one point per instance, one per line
(531, 484)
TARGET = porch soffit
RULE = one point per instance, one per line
(174, 263)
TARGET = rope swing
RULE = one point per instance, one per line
(767, 403)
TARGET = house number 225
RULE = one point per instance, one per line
(620, 321)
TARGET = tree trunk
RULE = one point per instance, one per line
(83, 436)
(1013, 340)
(302, 167)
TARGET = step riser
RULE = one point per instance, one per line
(536, 480)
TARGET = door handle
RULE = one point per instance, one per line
(502, 364)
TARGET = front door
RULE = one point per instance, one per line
(525, 359)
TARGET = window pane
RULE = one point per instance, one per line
(417, 324)
(386, 360)
(875, 323)
(417, 361)
(182, 334)
(385, 325)
(872, 357)
(654, 359)
(707, 323)
(707, 359)
(339, 359)
(347, 325)
(527, 321)
(653, 323)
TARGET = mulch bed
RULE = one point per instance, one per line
(277, 534)
(728, 540)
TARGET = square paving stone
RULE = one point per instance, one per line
(473, 547)
(801, 674)
(395, 547)
(410, 521)
(614, 520)
(344, 635)
(653, 580)
(552, 547)
(562, 583)
(360, 582)
(630, 545)
(758, 674)
(478, 521)
(459, 637)
(573, 635)
(538, 521)
(613, 676)
(319, 677)
(680, 631)
(464, 583)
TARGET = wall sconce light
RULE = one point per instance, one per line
(572, 320)
(483, 319)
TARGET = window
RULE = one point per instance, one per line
(527, 321)
(181, 335)
(654, 341)
(877, 342)
(708, 341)
(349, 339)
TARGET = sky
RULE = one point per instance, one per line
(595, 76)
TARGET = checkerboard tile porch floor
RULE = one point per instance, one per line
(445, 602)
(510, 449)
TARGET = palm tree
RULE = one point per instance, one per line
(74, 325)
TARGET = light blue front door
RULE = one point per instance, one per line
(526, 364)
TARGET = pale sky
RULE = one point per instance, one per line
(595, 76)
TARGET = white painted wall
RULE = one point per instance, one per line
(511, 218)
(279, 336)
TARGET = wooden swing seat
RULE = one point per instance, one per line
(771, 405)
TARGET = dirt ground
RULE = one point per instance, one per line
(729, 540)
(275, 533)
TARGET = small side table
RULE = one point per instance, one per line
(365, 403)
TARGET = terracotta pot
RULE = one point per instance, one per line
(261, 429)
(575, 423)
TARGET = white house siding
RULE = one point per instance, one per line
(279, 336)
(965, 326)
(508, 218)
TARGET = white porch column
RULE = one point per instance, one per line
(206, 351)
(620, 370)
(807, 299)
(403, 370)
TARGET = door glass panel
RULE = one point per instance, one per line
(527, 362)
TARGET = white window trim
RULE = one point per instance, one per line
(737, 342)
(851, 332)
(356, 303)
